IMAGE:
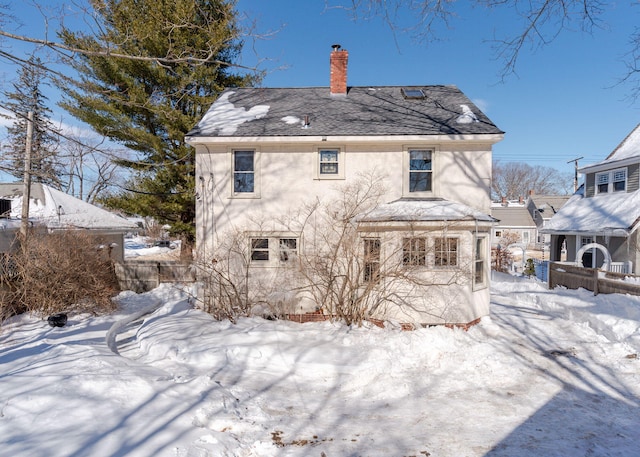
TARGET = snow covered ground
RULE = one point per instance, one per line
(550, 373)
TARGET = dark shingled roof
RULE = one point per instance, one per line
(381, 110)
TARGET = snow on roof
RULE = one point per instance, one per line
(629, 148)
(56, 209)
(252, 112)
(417, 210)
(613, 214)
(223, 117)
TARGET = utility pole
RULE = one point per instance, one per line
(26, 193)
(575, 174)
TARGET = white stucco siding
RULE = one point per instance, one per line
(286, 177)
(464, 175)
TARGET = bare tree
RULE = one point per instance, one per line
(513, 180)
(90, 170)
(537, 24)
(335, 268)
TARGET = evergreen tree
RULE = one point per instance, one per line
(27, 96)
(185, 52)
(530, 268)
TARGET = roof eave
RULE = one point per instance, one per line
(491, 138)
(608, 165)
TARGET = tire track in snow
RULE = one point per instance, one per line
(128, 326)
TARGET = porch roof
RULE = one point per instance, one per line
(614, 214)
(424, 210)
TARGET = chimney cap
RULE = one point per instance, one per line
(336, 47)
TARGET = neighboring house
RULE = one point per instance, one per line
(605, 211)
(263, 154)
(542, 208)
(513, 219)
(54, 210)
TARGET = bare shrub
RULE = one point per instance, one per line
(339, 270)
(60, 272)
(501, 257)
(224, 278)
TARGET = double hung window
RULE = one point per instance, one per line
(611, 181)
(371, 259)
(420, 170)
(479, 263)
(330, 163)
(244, 173)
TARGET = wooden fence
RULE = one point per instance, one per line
(144, 275)
(597, 281)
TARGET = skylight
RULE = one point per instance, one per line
(414, 93)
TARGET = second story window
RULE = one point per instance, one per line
(330, 163)
(420, 170)
(611, 181)
(619, 180)
(244, 172)
(602, 181)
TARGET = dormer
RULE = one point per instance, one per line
(619, 172)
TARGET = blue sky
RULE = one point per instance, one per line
(564, 102)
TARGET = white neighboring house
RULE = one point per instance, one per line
(55, 210)
(262, 153)
(605, 210)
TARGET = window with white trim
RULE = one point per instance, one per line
(371, 259)
(330, 163)
(259, 249)
(288, 248)
(273, 250)
(446, 252)
(420, 170)
(480, 263)
(245, 182)
(611, 181)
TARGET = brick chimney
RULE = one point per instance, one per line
(338, 63)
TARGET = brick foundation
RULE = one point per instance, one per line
(319, 316)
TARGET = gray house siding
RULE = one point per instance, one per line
(633, 179)
(590, 182)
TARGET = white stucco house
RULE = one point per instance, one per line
(263, 155)
(604, 213)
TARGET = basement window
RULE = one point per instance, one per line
(412, 93)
